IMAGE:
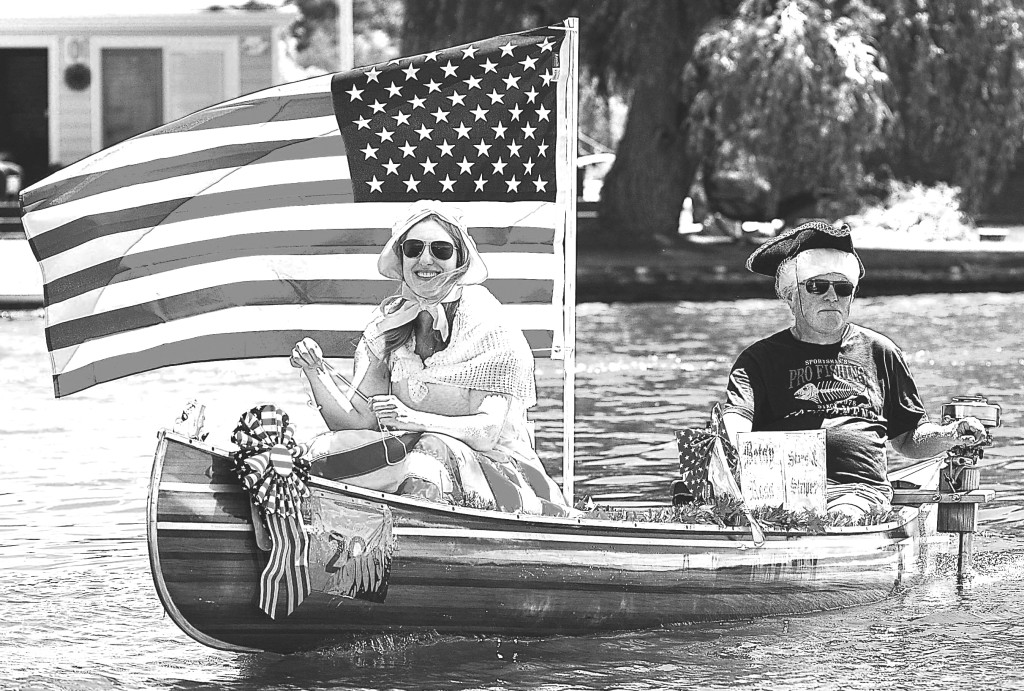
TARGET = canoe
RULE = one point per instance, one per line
(468, 571)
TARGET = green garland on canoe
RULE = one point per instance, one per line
(727, 511)
(724, 511)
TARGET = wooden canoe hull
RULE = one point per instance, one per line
(467, 571)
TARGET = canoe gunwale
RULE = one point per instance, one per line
(423, 507)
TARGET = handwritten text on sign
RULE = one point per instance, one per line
(784, 469)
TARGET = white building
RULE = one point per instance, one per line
(74, 83)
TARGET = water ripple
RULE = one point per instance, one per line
(79, 608)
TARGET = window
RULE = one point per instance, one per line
(148, 81)
(133, 95)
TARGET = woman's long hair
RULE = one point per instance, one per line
(397, 337)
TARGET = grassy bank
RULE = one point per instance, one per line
(916, 240)
(717, 271)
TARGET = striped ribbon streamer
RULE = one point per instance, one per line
(272, 468)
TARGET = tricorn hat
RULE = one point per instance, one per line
(812, 235)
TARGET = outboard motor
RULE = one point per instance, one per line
(961, 474)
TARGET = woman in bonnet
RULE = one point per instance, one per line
(438, 358)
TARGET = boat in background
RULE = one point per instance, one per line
(21, 283)
(468, 571)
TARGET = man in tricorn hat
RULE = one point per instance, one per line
(826, 373)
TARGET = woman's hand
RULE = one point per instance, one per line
(394, 414)
(307, 355)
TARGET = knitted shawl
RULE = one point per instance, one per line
(484, 353)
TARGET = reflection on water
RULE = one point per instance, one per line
(79, 609)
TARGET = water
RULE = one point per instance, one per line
(78, 608)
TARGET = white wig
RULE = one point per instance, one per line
(811, 263)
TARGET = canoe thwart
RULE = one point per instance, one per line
(916, 497)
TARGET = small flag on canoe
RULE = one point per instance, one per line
(240, 229)
(707, 459)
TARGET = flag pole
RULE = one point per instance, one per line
(569, 301)
(346, 38)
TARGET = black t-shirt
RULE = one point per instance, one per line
(859, 390)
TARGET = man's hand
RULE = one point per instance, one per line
(307, 355)
(967, 431)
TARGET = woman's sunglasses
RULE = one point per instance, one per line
(819, 286)
(441, 249)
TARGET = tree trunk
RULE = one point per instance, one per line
(643, 193)
(433, 24)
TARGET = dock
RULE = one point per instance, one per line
(21, 284)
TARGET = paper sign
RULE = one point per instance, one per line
(784, 469)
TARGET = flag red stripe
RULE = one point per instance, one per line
(88, 228)
(284, 242)
(225, 157)
(214, 347)
(252, 112)
(515, 291)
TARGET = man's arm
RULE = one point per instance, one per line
(734, 424)
(930, 439)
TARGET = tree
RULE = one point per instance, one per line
(788, 101)
(637, 47)
(376, 25)
(784, 99)
(643, 47)
(956, 66)
(806, 99)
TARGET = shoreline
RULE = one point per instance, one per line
(717, 271)
(691, 271)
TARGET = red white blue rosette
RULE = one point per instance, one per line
(273, 469)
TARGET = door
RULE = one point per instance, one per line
(24, 110)
(133, 92)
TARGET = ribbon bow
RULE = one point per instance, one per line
(272, 468)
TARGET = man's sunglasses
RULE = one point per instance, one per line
(819, 286)
(441, 249)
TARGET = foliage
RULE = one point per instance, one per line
(958, 71)
(430, 24)
(727, 511)
(807, 97)
(250, 6)
(375, 23)
(473, 500)
(793, 94)
(911, 212)
(789, 100)
(314, 16)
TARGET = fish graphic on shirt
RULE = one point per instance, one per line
(829, 392)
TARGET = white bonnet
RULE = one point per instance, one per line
(389, 264)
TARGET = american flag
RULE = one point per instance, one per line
(240, 229)
(696, 447)
(707, 459)
(463, 125)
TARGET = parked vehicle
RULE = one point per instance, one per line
(11, 176)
